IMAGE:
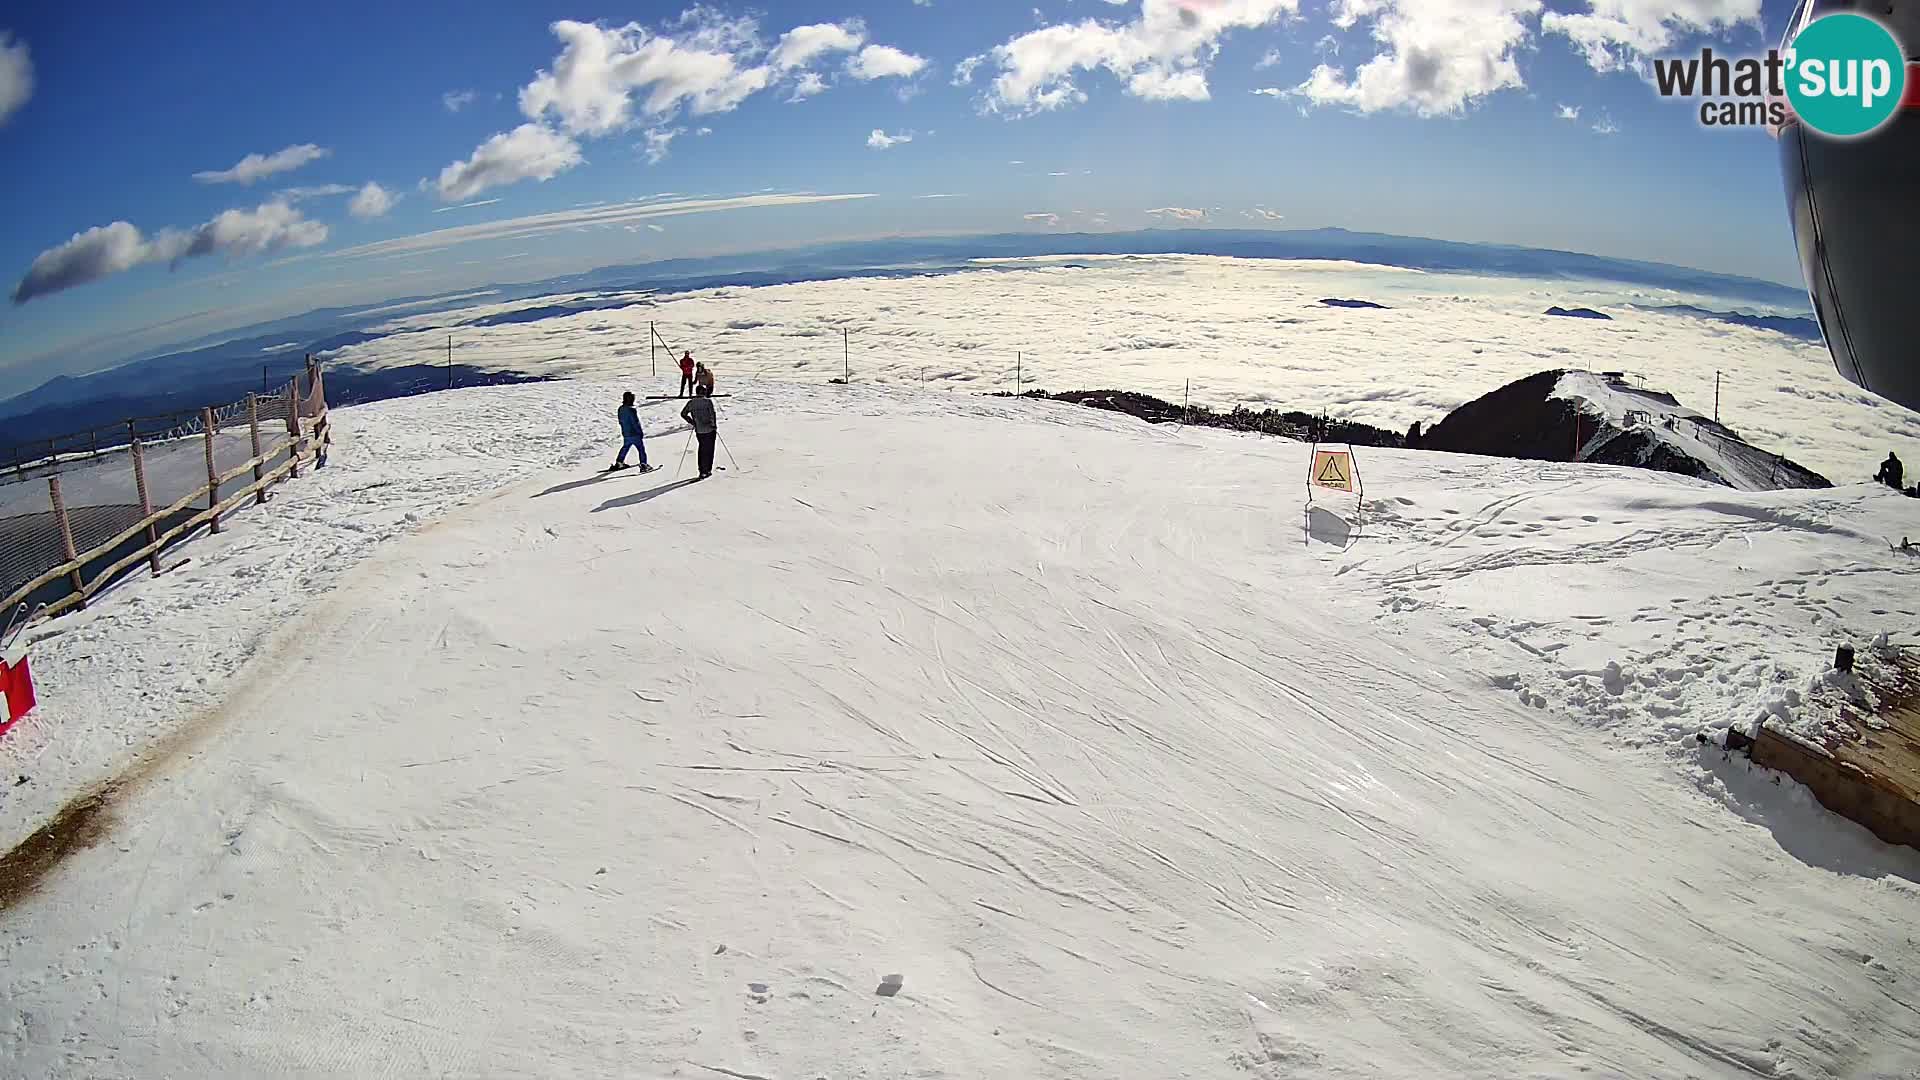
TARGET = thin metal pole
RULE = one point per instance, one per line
(729, 450)
(1186, 397)
(653, 352)
(1716, 397)
(846, 346)
(1017, 357)
(449, 361)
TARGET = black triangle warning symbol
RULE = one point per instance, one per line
(1331, 472)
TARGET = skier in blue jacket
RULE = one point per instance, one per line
(630, 431)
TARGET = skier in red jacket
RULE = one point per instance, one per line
(686, 375)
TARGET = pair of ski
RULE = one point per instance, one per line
(650, 468)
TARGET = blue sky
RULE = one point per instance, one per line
(1444, 118)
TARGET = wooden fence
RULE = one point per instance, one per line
(302, 437)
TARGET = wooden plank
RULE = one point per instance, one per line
(213, 477)
(1843, 787)
(146, 502)
(66, 529)
(253, 429)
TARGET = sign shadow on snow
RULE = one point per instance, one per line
(644, 496)
(1327, 527)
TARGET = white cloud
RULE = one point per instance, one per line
(885, 62)
(1043, 219)
(1261, 213)
(1437, 57)
(880, 140)
(1616, 34)
(802, 45)
(612, 214)
(1179, 213)
(940, 196)
(703, 132)
(1271, 58)
(963, 71)
(467, 205)
(1567, 112)
(1162, 54)
(372, 201)
(609, 79)
(89, 256)
(1605, 125)
(257, 166)
(528, 152)
(1272, 91)
(808, 85)
(267, 227)
(1156, 85)
(655, 228)
(591, 86)
(455, 100)
(112, 249)
(318, 191)
(658, 140)
(16, 76)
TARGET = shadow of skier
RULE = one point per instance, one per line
(644, 496)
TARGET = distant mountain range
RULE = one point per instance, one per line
(1804, 327)
(225, 366)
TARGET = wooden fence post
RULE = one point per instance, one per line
(213, 474)
(253, 428)
(293, 425)
(146, 502)
(66, 533)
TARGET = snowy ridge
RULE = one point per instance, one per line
(1127, 765)
(1666, 426)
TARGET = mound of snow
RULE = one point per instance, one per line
(1603, 419)
(1653, 430)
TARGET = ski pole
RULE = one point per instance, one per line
(683, 455)
(723, 446)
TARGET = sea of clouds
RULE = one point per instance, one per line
(1237, 331)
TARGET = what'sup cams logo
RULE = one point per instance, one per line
(1841, 75)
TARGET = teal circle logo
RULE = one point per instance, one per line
(1845, 75)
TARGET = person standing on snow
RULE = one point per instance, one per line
(1891, 471)
(699, 415)
(635, 439)
(702, 378)
(686, 375)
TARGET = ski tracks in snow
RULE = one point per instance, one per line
(1121, 778)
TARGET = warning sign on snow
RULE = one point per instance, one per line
(1332, 469)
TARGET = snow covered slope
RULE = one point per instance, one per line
(1645, 427)
(1126, 765)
